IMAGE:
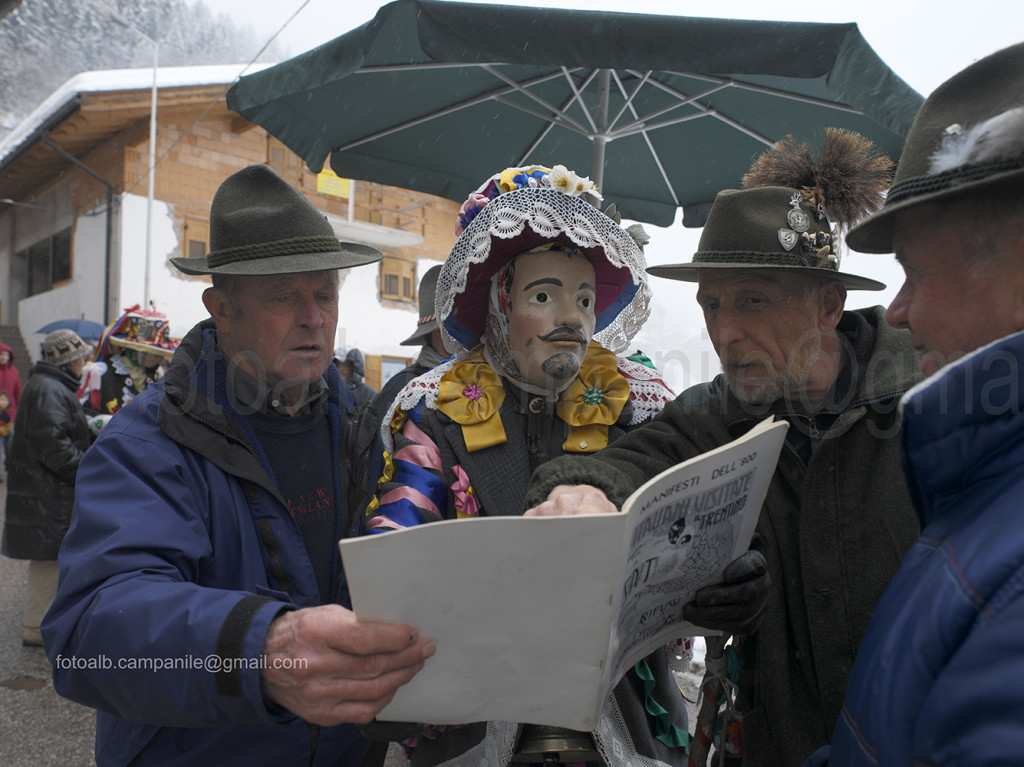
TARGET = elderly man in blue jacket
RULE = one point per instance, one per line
(939, 677)
(199, 607)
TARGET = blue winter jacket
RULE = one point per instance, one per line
(180, 553)
(939, 677)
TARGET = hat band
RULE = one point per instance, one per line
(761, 259)
(965, 174)
(258, 250)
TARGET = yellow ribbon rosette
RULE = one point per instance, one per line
(471, 395)
(593, 401)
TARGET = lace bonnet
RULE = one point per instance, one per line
(519, 209)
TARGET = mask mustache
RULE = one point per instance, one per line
(573, 332)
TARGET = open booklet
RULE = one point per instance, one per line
(536, 618)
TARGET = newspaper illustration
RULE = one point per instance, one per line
(536, 618)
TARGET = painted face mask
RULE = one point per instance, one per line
(541, 318)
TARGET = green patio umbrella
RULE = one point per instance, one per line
(660, 111)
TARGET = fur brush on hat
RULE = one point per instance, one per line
(847, 175)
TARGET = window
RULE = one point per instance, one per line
(397, 280)
(197, 238)
(46, 263)
(287, 164)
(391, 365)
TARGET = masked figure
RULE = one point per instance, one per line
(538, 294)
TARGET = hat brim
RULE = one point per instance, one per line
(141, 347)
(420, 335)
(352, 254)
(875, 234)
(691, 273)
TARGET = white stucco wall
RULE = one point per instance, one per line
(82, 296)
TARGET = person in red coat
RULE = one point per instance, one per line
(10, 382)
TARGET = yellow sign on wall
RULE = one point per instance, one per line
(328, 182)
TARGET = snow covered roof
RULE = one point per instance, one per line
(113, 80)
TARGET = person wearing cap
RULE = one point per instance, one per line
(427, 336)
(50, 437)
(128, 359)
(939, 677)
(837, 517)
(351, 368)
(200, 607)
(534, 313)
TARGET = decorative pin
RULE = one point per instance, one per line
(788, 238)
(798, 220)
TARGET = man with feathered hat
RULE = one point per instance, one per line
(200, 603)
(539, 292)
(837, 518)
(939, 677)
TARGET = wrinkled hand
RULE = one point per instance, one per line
(566, 500)
(735, 605)
(349, 670)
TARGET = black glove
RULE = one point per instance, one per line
(389, 731)
(735, 605)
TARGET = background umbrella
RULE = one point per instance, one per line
(87, 329)
(661, 111)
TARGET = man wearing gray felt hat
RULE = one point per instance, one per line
(208, 515)
(837, 518)
(939, 677)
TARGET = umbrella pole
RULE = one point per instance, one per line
(604, 83)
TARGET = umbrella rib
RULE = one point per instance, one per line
(557, 118)
(491, 96)
(533, 97)
(578, 97)
(647, 139)
(644, 124)
(628, 104)
(376, 70)
(575, 97)
(723, 83)
(795, 97)
(661, 168)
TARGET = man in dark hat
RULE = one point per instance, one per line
(939, 677)
(427, 336)
(837, 518)
(200, 606)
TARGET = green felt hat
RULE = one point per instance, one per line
(967, 139)
(767, 227)
(261, 225)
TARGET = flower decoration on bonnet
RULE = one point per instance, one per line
(533, 176)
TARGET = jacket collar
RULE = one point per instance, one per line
(51, 370)
(962, 423)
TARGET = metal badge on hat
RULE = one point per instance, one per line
(798, 220)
